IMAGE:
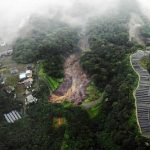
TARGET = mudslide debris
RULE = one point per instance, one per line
(75, 82)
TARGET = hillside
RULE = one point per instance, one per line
(83, 81)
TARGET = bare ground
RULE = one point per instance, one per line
(74, 86)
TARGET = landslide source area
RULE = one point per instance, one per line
(75, 82)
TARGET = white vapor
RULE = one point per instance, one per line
(145, 7)
(15, 13)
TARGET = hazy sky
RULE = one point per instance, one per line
(15, 13)
(145, 7)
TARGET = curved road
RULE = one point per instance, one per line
(142, 93)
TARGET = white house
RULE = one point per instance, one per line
(2, 43)
(22, 76)
(30, 99)
(29, 73)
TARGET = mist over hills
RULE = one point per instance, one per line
(16, 14)
(78, 53)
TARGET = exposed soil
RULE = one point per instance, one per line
(74, 86)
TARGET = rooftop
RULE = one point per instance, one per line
(30, 99)
(12, 116)
(22, 75)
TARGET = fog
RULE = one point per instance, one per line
(145, 7)
(15, 14)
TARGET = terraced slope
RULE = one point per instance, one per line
(142, 93)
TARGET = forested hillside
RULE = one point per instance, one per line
(47, 40)
(145, 33)
(108, 125)
(7, 103)
(108, 65)
(109, 44)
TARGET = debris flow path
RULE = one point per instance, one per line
(75, 82)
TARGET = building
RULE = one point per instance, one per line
(22, 76)
(27, 82)
(30, 99)
(27, 92)
(25, 75)
(14, 71)
(12, 116)
(29, 73)
(2, 80)
(9, 52)
(2, 43)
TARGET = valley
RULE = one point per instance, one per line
(75, 76)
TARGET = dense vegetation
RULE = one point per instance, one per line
(109, 44)
(145, 33)
(148, 65)
(112, 125)
(110, 70)
(52, 82)
(40, 130)
(7, 103)
(48, 40)
(145, 62)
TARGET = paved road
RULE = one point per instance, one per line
(142, 93)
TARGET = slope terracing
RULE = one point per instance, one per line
(142, 93)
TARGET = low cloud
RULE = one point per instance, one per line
(145, 7)
(15, 13)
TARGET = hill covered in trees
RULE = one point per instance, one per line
(111, 124)
(48, 40)
(107, 63)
